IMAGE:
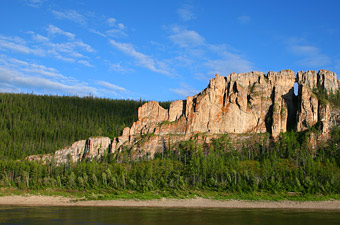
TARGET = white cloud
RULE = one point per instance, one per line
(21, 76)
(118, 67)
(199, 55)
(71, 15)
(56, 30)
(311, 56)
(304, 50)
(35, 3)
(227, 65)
(39, 38)
(111, 89)
(111, 86)
(84, 46)
(29, 68)
(61, 57)
(244, 19)
(228, 62)
(69, 51)
(17, 45)
(111, 21)
(186, 38)
(7, 88)
(97, 32)
(21, 81)
(85, 63)
(121, 26)
(116, 33)
(316, 61)
(117, 29)
(184, 90)
(141, 59)
(185, 13)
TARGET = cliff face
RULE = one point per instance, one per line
(92, 148)
(239, 103)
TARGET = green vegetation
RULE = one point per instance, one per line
(33, 124)
(324, 97)
(286, 169)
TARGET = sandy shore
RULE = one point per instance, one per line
(185, 203)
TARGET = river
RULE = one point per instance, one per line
(152, 216)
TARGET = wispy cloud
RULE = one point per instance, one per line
(227, 65)
(116, 29)
(111, 89)
(29, 68)
(184, 90)
(35, 3)
(203, 57)
(111, 86)
(71, 15)
(185, 38)
(116, 33)
(186, 12)
(111, 21)
(56, 30)
(244, 19)
(121, 26)
(27, 76)
(22, 76)
(69, 51)
(23, 82)
(17, 44)
(140, 58)
(97, 32)
(85, 63)
(311, 56)
(38, 37)
(118, 67)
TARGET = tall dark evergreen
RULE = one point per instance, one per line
(35, 124)
(32, 124)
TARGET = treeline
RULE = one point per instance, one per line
(36, 124)
(288, 165)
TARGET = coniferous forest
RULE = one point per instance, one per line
(33, 124)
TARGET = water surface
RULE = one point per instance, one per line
(153, 216)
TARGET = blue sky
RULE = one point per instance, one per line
(158, 50)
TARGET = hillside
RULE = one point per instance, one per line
(34, 124)
(292, 152)
(248, 107)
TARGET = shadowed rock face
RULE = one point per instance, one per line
(239, 103)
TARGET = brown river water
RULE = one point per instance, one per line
(152, 216)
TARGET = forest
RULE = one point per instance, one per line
(41, 123)
(37, 124)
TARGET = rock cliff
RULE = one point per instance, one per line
(92, 148)
(237, 104)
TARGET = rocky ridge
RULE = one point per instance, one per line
(244, 103)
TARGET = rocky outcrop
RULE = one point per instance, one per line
(312, 110)
(244, 103)
(92, 148)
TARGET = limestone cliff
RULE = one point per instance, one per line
(92, 148)
(239, 103)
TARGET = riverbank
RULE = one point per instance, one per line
(32, 200)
